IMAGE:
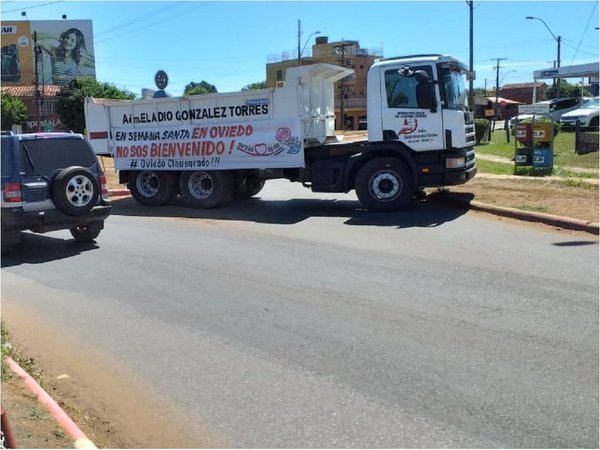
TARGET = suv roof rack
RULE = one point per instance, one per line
(425, 55)
(7, 133)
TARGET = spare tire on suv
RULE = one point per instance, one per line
(75, 190)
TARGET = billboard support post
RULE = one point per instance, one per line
(38, 97)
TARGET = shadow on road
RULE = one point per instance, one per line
(40, 248)
(286, 212)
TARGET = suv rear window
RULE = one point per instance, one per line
(49, 155)
(7, 157)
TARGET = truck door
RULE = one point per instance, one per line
(404, 117)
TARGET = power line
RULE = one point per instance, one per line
(584, 31)
(31, 7)
(160, 21)
(136, 20)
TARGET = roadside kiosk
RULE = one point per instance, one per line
(534, 138)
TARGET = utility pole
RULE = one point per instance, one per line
(343, 45)
(497, 82)
(558, 39)
(299, 33)
(472, 73)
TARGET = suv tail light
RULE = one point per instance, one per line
(12, 192)
(103, 187)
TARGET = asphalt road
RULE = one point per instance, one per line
(302, 321)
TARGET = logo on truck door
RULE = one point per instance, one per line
(409, 126)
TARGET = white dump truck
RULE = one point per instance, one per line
(212, 148)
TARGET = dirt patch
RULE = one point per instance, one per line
(578, 201)
(32, 424)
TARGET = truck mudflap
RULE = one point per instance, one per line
(446, 168)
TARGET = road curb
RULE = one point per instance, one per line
(530, 216)
(80, 440)
(452, 199)
(118, 192)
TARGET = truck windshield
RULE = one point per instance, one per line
(454, 88)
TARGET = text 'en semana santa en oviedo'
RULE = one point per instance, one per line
(212, 132)
(276, 143)
(217, 112)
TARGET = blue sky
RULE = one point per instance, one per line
(228, 43)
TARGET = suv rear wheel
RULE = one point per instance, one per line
(10, 238)
(87, 233)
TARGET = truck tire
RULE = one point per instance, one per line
(250, 186)
(206, 189)
(384, 184)
(152, 188)
(75, 190)
(87, 233)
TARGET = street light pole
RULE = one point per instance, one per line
(557, 39)
(301, 49)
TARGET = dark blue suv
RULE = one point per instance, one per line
(51, 181)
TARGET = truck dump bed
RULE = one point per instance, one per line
(259, 129)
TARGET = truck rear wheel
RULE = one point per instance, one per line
(206, 189)
(152, 188)
(250, 186)
(384, 184)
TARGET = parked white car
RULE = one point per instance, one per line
(587, 115)
(556, 108)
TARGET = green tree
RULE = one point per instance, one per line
(71, 99)
(255, 86)
(567, 90)
(480, 92)
(14, 111)
(201, 88)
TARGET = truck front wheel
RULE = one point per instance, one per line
(206, 189)
(152, 188)
(384, 184)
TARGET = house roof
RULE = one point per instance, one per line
(48, 90)
(505, 100)
(523, 85)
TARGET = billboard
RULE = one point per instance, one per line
(65, 51)
(17, 53)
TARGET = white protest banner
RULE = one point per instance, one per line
(224, 146)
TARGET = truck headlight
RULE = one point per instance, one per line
(455, 163)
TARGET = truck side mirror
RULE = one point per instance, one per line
(425, 92)
(426, 96)
(421, 76)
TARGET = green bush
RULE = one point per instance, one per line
(481, 128)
